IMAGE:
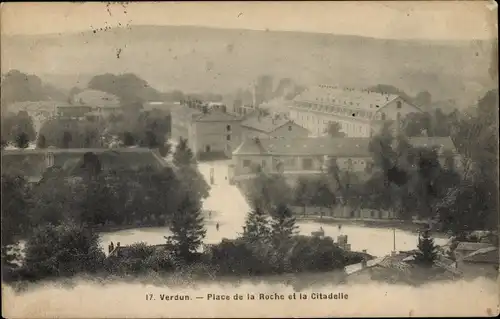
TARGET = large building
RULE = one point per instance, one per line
(214, 132)
(309, 155)
(211, 130)
(360, 113)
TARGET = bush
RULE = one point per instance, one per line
(60, 251)
(300, 254)
(140, 258)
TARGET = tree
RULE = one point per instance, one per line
(41, 142)
(128, 139)
(20, 87)
(15, 202)
(151, 141)
(334, 130)
(128, 87)
(165, 149)
(283, 224)
(64, 250)
(22, 140)
(256, 225)
(302, 193)
(417, 124)
(423, 99)
(183, 154)
(66, 140)
(187, 228)
(427, 250)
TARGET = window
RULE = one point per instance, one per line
(369, 167)
(383, 116)
(228, 137)
(289, 127)
(246, 163)
(349, 163)
(398, 104)
(290, 161)
(228, 128)
(207, 148)
(263, 163)
(307, 163)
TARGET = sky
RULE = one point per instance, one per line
(433, 20)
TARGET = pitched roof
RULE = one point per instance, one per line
(264, 123)
(344, 97)
(472, 246)
(31, 163)
(216, 116)
(485, 255)
(389, 262)
(96, 98)
(306, 146)
(48, 106)
(320, 146)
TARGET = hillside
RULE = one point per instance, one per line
(222, 60)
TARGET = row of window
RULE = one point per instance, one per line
(307, 163)
(348, 112)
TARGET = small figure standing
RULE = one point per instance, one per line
(111, 247)
(217, 226)
(340, 227)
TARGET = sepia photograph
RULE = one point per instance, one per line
(252, 159)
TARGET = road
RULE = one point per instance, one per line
(230, 212)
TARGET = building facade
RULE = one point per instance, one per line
(360, 113)
(212, 133)
(295, 156)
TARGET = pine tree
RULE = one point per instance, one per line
(187, 228)
(183, 154)
(41, 142)
(427, 250)
(128, 139)
(256, 225)
(283, 225)
(22, 140)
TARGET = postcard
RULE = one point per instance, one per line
(249, 159)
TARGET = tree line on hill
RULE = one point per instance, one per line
(146, 129)
(21, 87)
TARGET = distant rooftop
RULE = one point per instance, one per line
(472, 246)
(96, 98)
(345, 97)
(321, 146)
(33, 106)
(32, 163)
(264, 123)
(216, 116)
(484, 255)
